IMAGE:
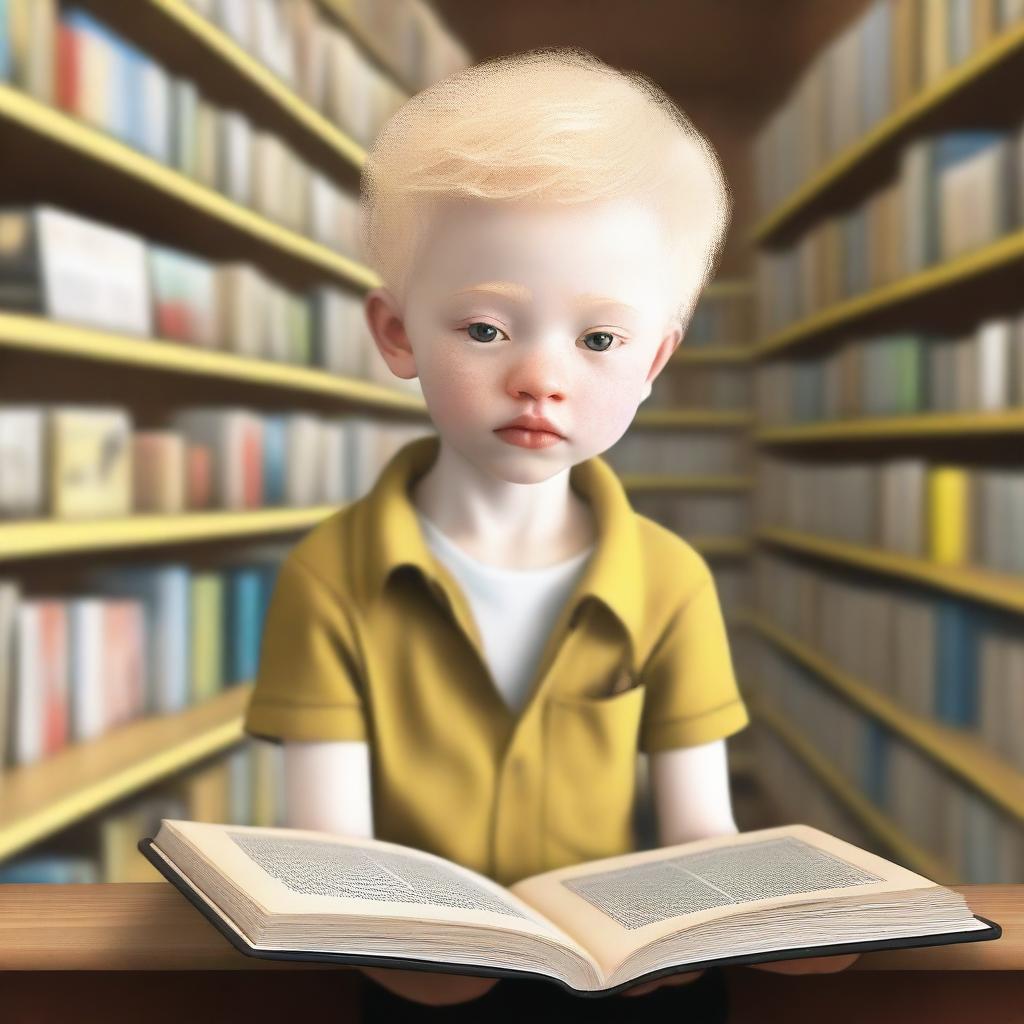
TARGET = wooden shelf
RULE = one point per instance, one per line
(892, 130)
(713, 354)
(705, 418)
(928, 424)
(85, 143)
(656, 482)
(43, 798)
(1001, 590)
(853, 800)
(956, 750)
(998, 254)
(239, 62)
(39, 334)
(45, 537)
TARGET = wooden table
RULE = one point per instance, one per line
(141, 952)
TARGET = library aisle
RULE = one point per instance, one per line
(188, 384)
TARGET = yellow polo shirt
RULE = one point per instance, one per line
(369, 637)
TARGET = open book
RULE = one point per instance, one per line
(773, 894)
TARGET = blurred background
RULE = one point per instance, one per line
(187, 384)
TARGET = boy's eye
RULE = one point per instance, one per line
(482, 332)
(604, 344)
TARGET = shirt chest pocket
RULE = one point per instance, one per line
(590, 776)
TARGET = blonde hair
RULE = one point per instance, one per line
(554, 124)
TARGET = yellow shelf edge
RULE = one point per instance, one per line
(875, 820)
(91, 143)
(16, 835)
(1002, 590)
(38, 333)
(1004, 250)
(713, 354)
(709, 545)
(927, 424)
(965, 73)
(942, 743)
(44, 537)
(291, 103)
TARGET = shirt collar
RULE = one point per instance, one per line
(613, 573)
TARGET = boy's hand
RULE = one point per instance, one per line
(811, 964)
(433, 989)
(672, 979)
(806, 965)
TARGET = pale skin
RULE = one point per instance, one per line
(555, 311)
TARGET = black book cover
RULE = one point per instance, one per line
(146, 846)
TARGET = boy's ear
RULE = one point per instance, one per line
(384, 318)
(669, 343)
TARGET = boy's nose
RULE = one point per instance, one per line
(539, 375)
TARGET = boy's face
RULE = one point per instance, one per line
(552, 311)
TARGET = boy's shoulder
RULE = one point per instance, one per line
(673, 568)
(328, 551)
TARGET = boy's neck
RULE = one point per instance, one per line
(508, 525)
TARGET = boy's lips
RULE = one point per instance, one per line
(524, 438)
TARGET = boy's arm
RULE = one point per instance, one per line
(327, 786)
(690, 789)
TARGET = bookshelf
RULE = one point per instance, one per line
(41, 799)
(841, 197)
(955, 274)
(1002, 54)
(887, 832)
(41, 335)
(232, 59)
(46, 135)
(196, 762)
(960, 753)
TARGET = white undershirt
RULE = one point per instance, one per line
(514, 609)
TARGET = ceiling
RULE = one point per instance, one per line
(738, 57)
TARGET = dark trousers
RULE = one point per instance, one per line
(704, 1001)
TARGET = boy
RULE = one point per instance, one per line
(493, 627)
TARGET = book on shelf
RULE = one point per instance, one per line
(595, 928)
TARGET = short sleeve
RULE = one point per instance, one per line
(308, 681)
(691, 692)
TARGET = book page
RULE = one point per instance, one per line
(305, 872)
(620, 904)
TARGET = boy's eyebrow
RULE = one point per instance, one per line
(523, 294)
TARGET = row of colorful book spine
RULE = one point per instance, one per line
(879, 64)
(78, 271)
(899, 374)
(320, 61)
(87, 462)
(679, 452)
(134, 641)
(954, 192)
(949, 514)
(104, 81)
(937, 656)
